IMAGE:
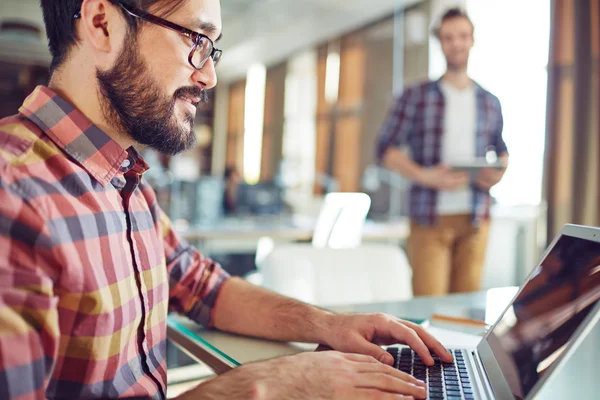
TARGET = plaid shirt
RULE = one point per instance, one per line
(89, 264)
(417, 120)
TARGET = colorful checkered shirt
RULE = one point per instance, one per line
(416, 120)
(89, 264)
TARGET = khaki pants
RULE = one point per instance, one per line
(449, 257)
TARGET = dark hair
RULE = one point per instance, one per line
(451, 13)
(60, 22)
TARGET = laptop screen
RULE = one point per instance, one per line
(531, 335)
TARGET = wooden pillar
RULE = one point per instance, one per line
(235, 126)
(349, 113)
(273, 121)
(571, 172)
(323, 122)
(340, 125)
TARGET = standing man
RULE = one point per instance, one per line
(449, 120)
(90, 266)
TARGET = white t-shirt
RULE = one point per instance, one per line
(458, 143)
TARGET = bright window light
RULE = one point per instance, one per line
(254, 121)
(332, 77)
(297, 169)
(513, 65)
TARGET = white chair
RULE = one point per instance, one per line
(339, 225)
(333, 277)
(341, 220)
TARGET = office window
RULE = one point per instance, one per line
(510, 59)
(253, 122)
(332, 74)
(299, 132)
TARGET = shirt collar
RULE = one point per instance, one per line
(77, 136)
(477, 87)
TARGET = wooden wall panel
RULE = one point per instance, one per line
(352, 72)
(235, 126)
(349, 121)
(323, 107)
(323, 150)
(323, 121)
(273, 121)
(565, 51)
(564, 141)
(571, 188)
(595, 14)
(346, 166)
(340, 125)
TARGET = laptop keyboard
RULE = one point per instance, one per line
(448, 381)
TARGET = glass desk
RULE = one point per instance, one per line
(222, 351)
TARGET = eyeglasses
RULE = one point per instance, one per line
(202, 46)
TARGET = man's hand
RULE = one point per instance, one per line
(441, 177)
(327, 375)
(489, 177)
(364, 334)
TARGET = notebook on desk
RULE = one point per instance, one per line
(543, 325)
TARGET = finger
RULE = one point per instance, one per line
(482, 184)
(375, 351)
(431, 342)
(498, 175)
(454, 182)
(453, 186)
(405, 334)
(390, 384)
(368, 394)
(489, 183)
(489, 176)
(386, 369)
(462, 179)
(485, 177)
(360, 358)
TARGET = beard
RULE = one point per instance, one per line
(457, 63)
(133, 103)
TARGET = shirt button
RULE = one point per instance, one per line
(126, 163)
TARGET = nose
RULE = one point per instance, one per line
(206, 76)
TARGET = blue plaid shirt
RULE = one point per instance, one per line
(416, 120)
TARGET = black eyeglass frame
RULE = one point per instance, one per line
(196, 37)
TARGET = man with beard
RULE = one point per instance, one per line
(451, 120)
(90, 265)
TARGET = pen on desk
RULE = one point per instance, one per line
(457, 320)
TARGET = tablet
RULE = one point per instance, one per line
(475, 165)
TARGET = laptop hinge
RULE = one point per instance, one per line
(483, 378)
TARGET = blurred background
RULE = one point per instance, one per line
(304, 88)
(286, 146)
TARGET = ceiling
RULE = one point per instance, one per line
(268, 31)
(254, 31)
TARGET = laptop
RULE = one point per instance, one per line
(550, 316)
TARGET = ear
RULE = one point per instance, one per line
(102, 25)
